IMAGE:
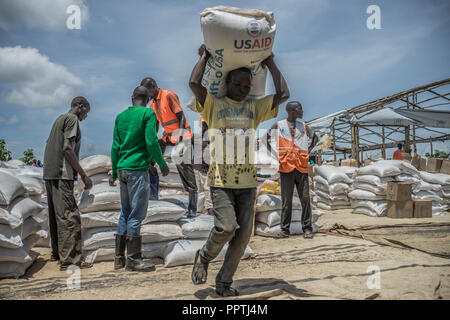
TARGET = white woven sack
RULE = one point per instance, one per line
(19, 210)
(101, 197)
(198, 227)
(332, 174)
(294, 229)
(437, 178)
(100, 219)
(15, 269)
(182, 252)
(96, 164)
(377, 207)
(10, 189)
(272, 218)
(160, 210)
(236, 38)
(373, 179)
(19, 255)
(365, 195)
(369, 187)
(271, 202)
(12, 238)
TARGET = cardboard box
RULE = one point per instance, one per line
(400, 209)
(423, 164)
(434, 165)
(349, 163)
(445, 167)
(406, 156)
(398, 191)
(310, 170)
(416, 161)
(422, 208)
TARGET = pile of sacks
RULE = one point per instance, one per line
(435, 187)
(331, 187)
(100, 211)
(166, 234)
(370, 184)
(19, 230)
(268, 212)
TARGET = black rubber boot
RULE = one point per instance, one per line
(192, 208)
(134, 256)
(119, 259)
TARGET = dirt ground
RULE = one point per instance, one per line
(336, 264)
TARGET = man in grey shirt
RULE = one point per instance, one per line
(61, 167)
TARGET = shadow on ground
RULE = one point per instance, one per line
(254, 286)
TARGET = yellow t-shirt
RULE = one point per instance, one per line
(232, 125)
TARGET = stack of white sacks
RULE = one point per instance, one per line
(331, 187)
(268, 212)
(435, 187)
(166, 234)
(19, 230)
(370, 183)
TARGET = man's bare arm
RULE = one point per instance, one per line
(281, 87)
(195, 81)
(70, 155)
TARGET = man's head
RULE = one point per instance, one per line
(151, 86)
(140, 96)
(80, 107)
(400, 146)
(239, 82)
(294, 110)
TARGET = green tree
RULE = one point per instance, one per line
(4, 153)
(437, 154)
(28, 157)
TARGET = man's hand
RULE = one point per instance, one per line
(112, 182)
(165, 171)
(202, 51)
(87, 182)
(269, 59)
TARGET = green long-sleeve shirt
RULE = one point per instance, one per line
(135, 141)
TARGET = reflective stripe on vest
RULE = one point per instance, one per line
(168, 119)
(292, 149)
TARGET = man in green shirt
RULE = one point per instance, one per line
(61, 167)
(135, 143)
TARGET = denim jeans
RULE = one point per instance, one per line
(134, 194)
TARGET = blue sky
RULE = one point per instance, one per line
(328, 56)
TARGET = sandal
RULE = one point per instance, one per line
(83, 265)
(308, 235)
(227, 291)
(200, 270)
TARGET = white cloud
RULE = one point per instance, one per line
(39, 14)
(13, 120)
(34, 80)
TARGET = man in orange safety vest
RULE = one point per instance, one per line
(170, 115)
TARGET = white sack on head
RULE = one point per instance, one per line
(236, 38)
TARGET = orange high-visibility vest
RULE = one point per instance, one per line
(292, 147)
(168, 119)
(398, 155)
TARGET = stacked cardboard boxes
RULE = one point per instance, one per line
(434, 165)
(399, 201)
(401, 205)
